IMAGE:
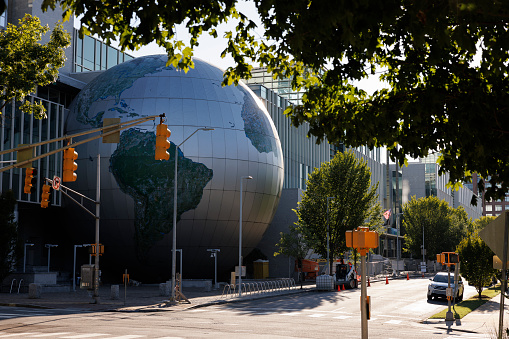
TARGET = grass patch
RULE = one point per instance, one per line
(466, 306)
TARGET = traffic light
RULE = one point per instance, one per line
(69, 165)
(162, 143)
(45, 196)
(30, 181)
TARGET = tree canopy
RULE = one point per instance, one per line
(476, 261)
(344, 184)
(445, 64)
(443, 226)
(26, 63)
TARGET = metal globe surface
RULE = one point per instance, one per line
(137, 190)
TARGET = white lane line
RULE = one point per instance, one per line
(394, 322)
(342, 317)
(17, 334)
(88, 335)
(128, 336)
(316, 315)
(49, 334)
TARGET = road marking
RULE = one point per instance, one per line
(394, 322)
(291, 314)
(16, 334)
(316, 315)
(343, 317)
(49, 334)
(88, 335)
(198, 310)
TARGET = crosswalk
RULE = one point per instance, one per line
(303, 313)
(73, 335)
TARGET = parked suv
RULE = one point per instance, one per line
(438, 284)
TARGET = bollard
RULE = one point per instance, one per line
(34, 291)
(115, 292)
(164, 289)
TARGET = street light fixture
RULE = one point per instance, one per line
(213, 254)
(25, 255)
(49, 246)
(174, 231)
(240, 235)
(328, 236)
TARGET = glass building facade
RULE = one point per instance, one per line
(92, 54)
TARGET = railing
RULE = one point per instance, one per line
(19, 286)
(12, 283)
(259, 287)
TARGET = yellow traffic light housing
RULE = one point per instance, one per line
(93, 250)
(448, 258)
(162, 143)
(30, 180)
(45, 196)
(69, 165)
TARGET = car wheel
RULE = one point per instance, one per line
(430, 297)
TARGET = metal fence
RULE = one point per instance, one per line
(259, 287)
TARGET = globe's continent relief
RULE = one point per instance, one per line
(118, 80)
(150, 183)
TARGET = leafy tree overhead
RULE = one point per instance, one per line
(353, 202)
(444, 227)
(476, 261)
(9, 244)
(26, 63)
(445, 64)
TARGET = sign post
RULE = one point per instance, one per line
(362, 240)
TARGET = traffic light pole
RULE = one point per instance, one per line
(97, 218)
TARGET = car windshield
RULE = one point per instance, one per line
(442, 278)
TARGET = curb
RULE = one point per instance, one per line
(26, 306)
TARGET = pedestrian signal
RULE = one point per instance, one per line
(45, 196)
(162, 143)
(30, 180)
(69, 165)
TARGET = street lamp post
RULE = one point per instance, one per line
(328, 261)
(74, 269)
(25, 255)
(49, 246)
(174, 230)
(213, 254)
(240, 235)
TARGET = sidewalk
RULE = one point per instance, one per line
(143, 298)
(484, 319)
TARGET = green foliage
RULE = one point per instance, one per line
(445, 64)
(481, 223)
(9, 245)
(476, 261)
(291, 244)
(354, 203)
(444, 227)
(26, 63)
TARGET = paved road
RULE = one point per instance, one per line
(397, 311)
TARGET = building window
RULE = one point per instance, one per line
(489, 208)
(94, 55)
(498, 208)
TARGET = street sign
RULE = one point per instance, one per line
(493, 234)
(497, 263)
(56, 183)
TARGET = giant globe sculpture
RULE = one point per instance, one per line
(137, 190)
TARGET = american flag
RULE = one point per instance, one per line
(387, 214)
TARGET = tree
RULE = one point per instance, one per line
(476, 261)
(292, 244)
(443, 226)
(445, 64)
(481, 223)
(9, 244)
(345, 180)
(25, 63)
